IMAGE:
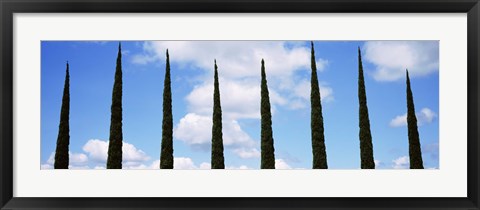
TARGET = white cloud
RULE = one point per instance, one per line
(205, 165)
(239, 98)
(247, 153)
(187, 163)
(401, 163)
(183, 163)
(239, 77)
(302, 90)
(138, 165)
(77, 159)
(391, 58)
(97, 150)
(242, 167)
(46, 166)
(237, 58)
(78, 167)
(399, 121)
(281, 164)
(96, 154)
(196, 130)
(143, 59)
(321, 64)
(132, 154)
(425, 116)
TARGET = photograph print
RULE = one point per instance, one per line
(200, 105)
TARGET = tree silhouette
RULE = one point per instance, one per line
(366, 148)
(114, 160)
(63, 139)
(318, 137)
(217, 139)
(414, 149)
(267, 149)
(166, 156)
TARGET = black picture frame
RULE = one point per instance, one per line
(9, 7)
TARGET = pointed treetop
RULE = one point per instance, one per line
(359, 54)
(119, 46)
(263, 61)
(311, 45)
(215, 63)
(67, 67)
(167, 52)
(408, 78)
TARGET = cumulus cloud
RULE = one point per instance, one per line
(97, 150)
(183, 163)
(96, 153)
(401, 163)
(196, 130)
(281, 164)
(239, 77)
(391, 58)
(187, 163)
(238, 58)
(76, 161)
(425, 116)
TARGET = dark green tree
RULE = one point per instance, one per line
(267, 154)
(114, 160)
(63, 139)
(217, 139)
(415, 152)
(166, 156)
(366, 148)
(318, 137)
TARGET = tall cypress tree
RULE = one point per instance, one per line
(318, 137)
(415, 152)
(166, 156)
(217, 139)
(267, 154)
(63, 139)
(366, 148)
(114, 160)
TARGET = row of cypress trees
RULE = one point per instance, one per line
(114, 160)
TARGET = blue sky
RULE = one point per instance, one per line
(287, 63)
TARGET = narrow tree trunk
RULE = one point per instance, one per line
(63, 139)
